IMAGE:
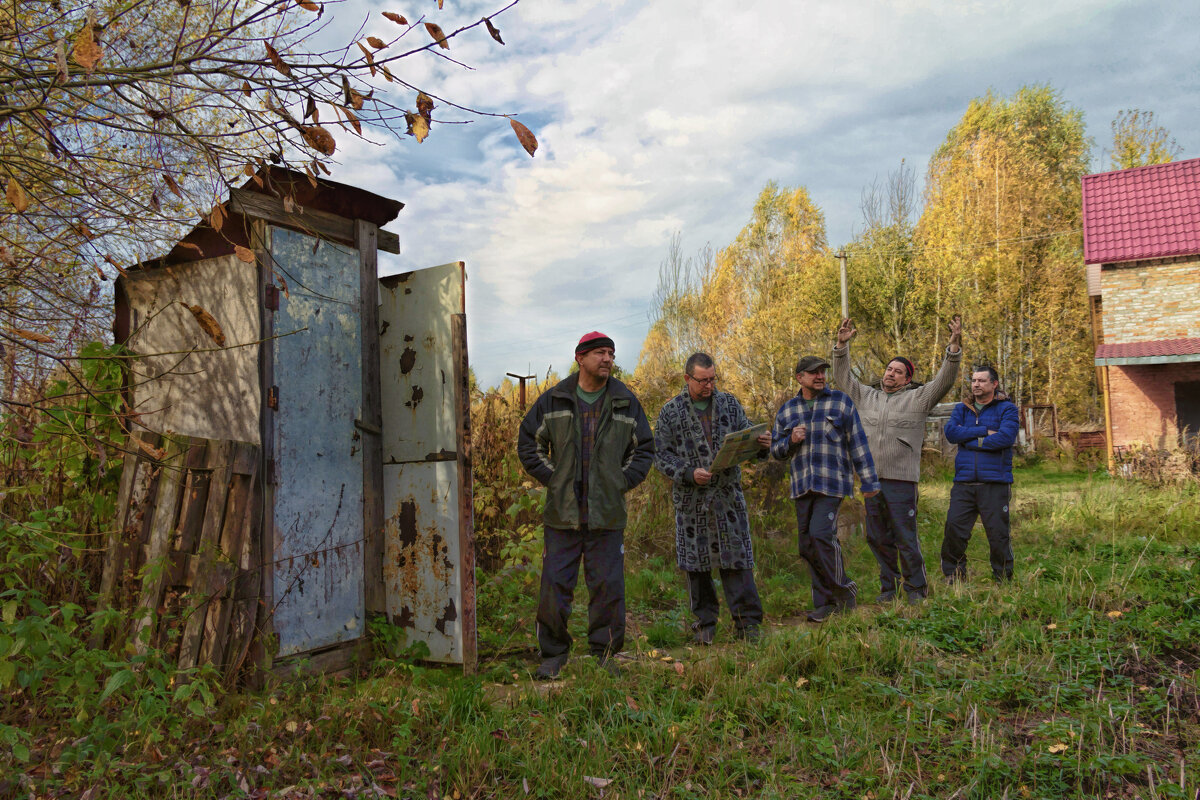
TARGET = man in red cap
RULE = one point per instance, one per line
(587, 440)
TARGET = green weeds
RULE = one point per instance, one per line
(1077, 679)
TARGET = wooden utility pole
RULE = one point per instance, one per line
(522, 379)
(841, 257)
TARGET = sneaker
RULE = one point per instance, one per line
(821, 614)
(885, 597)
(703, 636)
(550, 667)
(751, 634)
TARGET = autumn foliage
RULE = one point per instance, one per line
(996, 239)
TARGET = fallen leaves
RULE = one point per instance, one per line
(1057, 748)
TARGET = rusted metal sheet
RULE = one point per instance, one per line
(428, 571)
(417, 363)
(318, 454)
(421, 566)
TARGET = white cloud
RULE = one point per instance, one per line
(671, 115)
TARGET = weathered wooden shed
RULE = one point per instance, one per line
(266, 332)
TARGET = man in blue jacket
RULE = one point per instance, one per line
(984, 426)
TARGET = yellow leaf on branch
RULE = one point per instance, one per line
(87, 50)
(16, 196)
(207, 323)
(417, 126)
(436, 32)
(319, 139)
(525, 137)
(40, 338)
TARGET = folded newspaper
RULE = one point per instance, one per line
(739, 446)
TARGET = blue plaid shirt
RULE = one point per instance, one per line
(835, 439)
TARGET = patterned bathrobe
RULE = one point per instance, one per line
(712, 528)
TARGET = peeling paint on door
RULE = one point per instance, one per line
(428, 571)
(319, 465)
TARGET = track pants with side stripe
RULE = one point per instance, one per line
(816, 519)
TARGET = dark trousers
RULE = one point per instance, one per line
(892, 535)
(988, 501)
(603, 554)
(816, 518)
(741, 595)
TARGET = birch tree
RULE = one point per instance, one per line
(1001, 237)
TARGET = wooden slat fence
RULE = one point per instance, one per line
(181, 560)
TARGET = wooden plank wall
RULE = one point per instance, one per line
(181, 560)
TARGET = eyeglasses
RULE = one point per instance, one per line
(702, 381)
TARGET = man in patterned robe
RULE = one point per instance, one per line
(712, 528)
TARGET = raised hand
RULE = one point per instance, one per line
(846, 332)
(955, 333)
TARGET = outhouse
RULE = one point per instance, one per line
(302, 427)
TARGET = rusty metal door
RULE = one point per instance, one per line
(317, 452)
(429, 554)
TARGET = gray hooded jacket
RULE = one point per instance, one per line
(895, 423)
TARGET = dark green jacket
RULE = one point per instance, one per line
(548, 446)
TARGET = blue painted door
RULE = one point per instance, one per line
(318, 479)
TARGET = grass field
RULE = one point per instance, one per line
(1077, 679)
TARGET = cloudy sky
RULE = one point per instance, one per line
(670, 116)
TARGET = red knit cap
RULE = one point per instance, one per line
(590, 341)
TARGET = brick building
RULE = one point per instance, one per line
(1141, 247)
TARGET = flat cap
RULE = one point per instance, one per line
(811, 364)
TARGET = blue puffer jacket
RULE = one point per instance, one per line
(982, 456)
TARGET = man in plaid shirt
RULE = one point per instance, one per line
(819, 432)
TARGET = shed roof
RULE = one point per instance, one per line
(1142, 213)
(300, 193)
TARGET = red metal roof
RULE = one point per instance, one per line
(1161, 347)
(1140, 213)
